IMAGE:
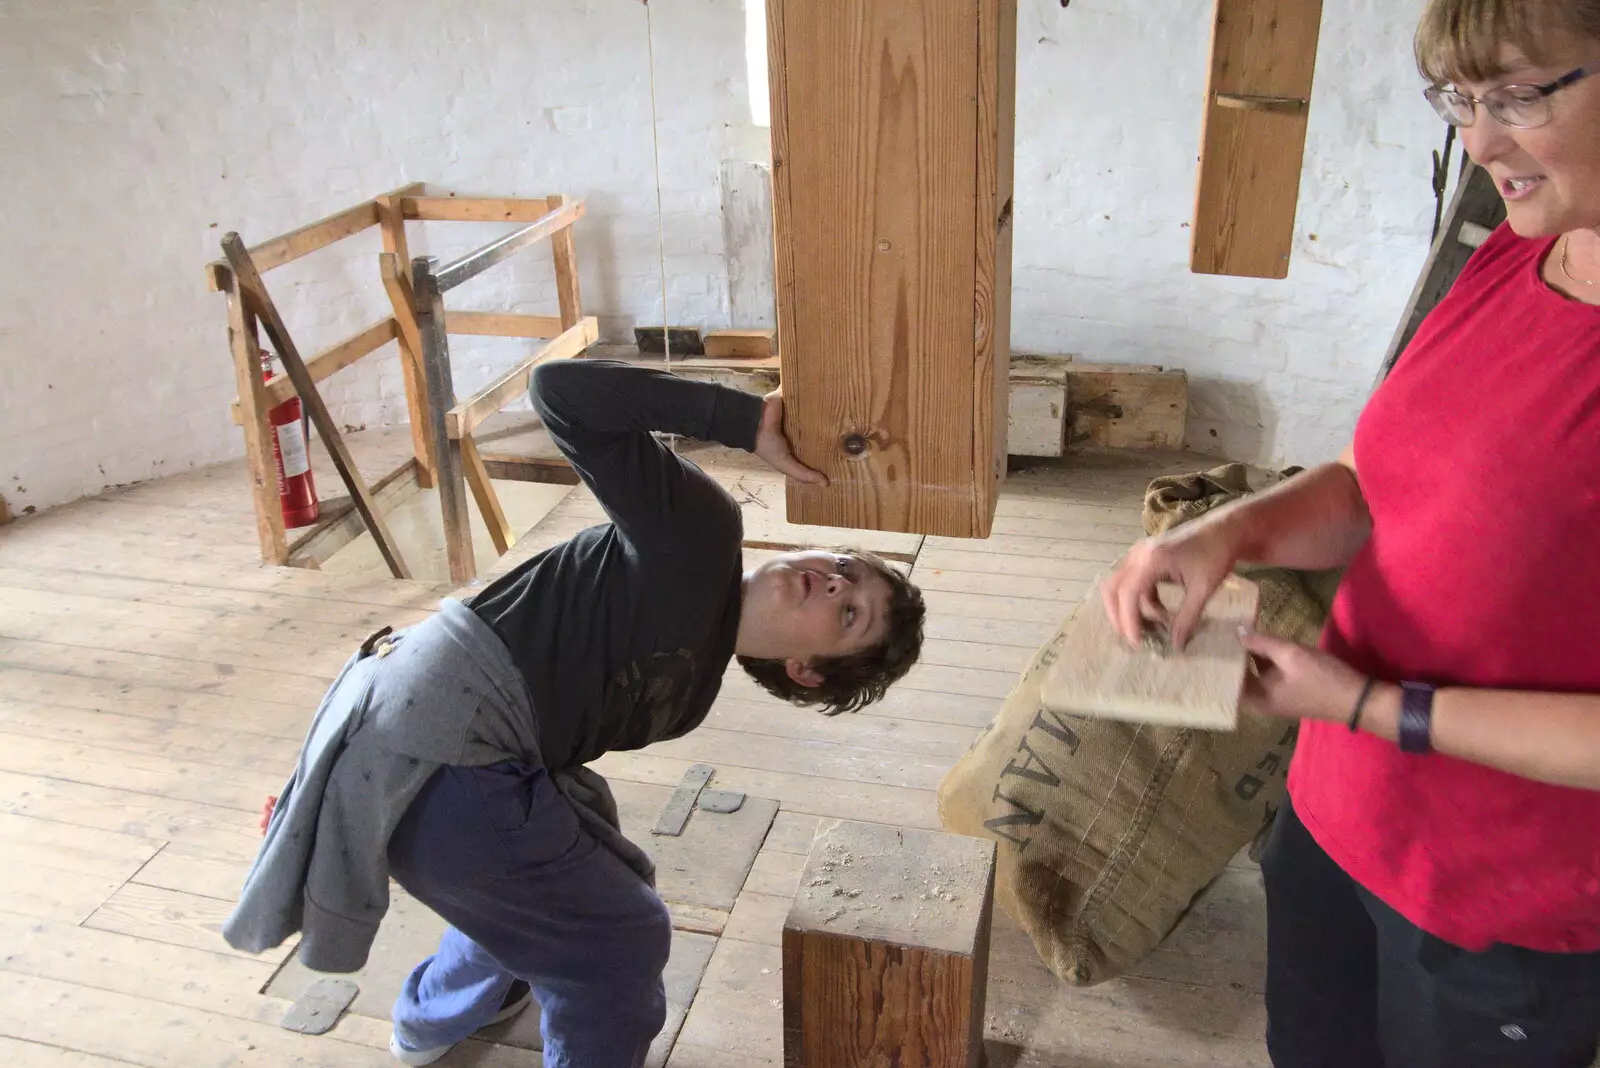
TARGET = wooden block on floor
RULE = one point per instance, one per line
(741, 344)
(886, 949)
(1037, 410)
(1127, 406)
(1096, 673)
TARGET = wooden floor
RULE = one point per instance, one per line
(155, 683)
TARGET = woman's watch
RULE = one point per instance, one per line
(1416, 717)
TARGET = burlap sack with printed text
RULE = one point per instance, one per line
(1108, 830)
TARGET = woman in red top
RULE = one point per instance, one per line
(1433, 889)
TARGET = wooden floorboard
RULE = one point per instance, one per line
(156, 682)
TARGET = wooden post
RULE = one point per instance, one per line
(249, 285)
(430, 319)
(886, 949)
(494, 517)
(892, 146)
(564, 251)
(393, 222)
(1476, 202)
(257, 430)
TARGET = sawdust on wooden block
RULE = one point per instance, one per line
(896, 892)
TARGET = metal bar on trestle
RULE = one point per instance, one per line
(475, 263)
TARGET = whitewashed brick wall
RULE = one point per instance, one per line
(1109, 105)
(137, 132)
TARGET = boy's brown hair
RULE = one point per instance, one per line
(855, 681)
(1460, 40)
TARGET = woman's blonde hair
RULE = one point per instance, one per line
(1460, 40)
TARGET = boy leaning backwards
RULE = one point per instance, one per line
(452, 755)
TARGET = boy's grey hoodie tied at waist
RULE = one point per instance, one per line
(443, 692)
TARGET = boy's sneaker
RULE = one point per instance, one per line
(519, 997)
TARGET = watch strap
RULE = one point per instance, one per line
(1416, 717)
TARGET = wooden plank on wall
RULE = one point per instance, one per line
(1263, 55)
(877, 171)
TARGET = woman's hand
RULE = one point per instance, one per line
(1196, 556)
(266, 812)
(1299, 683)
(773, 447)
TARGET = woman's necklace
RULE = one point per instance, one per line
(1566, 240)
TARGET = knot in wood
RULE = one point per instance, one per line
(854, 444)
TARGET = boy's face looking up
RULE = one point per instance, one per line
(807, 606)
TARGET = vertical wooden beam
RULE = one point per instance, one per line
(250, 286)
(257, 430)
(435, 344)
(997, 104)
(1263, 56)
(393, 223)
(1477, 202)
(564, 250)
(891, 147)
(494, 517)
(886, 949)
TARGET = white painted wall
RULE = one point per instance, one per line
(139, 131)
(1109, 104)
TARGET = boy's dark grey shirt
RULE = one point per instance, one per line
(613, 640)
(624, 631)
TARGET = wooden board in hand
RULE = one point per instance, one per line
(1097, 673)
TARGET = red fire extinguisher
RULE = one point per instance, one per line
(297, 493)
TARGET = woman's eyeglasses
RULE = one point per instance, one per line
(1525, 107)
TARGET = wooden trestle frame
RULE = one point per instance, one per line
(444, 453)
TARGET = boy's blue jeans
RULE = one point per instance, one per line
(499, 853)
